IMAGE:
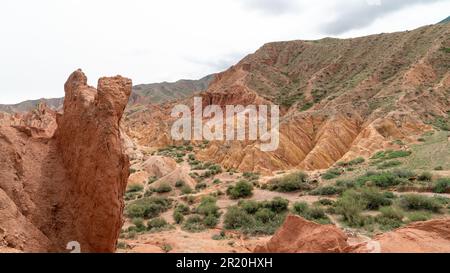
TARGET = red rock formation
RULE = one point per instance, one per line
(66, 186)
(422, 237)
(298, 235)
(89, 138)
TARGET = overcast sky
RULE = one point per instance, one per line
(42, 42)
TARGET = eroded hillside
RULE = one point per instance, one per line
(340, 99)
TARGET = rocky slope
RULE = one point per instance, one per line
(339, 98)
(62, 177)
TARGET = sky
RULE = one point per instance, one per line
(42, 42)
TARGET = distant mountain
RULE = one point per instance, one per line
(168, 91)
(155, 93)
(30, 105)
(445, 21)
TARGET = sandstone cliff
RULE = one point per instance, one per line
(65, 182)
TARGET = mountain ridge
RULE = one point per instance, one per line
(155, 93)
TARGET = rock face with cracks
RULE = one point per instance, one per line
(65, 184)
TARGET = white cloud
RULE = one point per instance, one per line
(43, 41)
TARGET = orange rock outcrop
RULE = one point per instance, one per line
(65, 182)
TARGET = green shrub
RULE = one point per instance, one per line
(186, 189)
(237, 218)
(182, 208)
(290, 183)
(179, 183)
(178, 217)
(201, 186)
(147, 207)
(194, 223)
(208, 207)
(262, 218)
(328, 190)
(250, 206)
(350, 206)
(300, 208)
(163, 188)
(156, 224)
(419, 216)
(439, 168)
(211, 221)
(353, 162)
(420, 202)
(374, 199)
(389, 164)
(277, 204)
(332, 174)
(345, 184)
(442, 185)
(313, 213)
(392, 213)
(264, 215)
(135, 188)
(326, 202)
(215, 169)
(139, 224)
(382, 180)
(242, 189)
(403, 173)
(387, 224)
(391, 154)
(250, 176)
(152, 180)
(425, 176)
(398, 154)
